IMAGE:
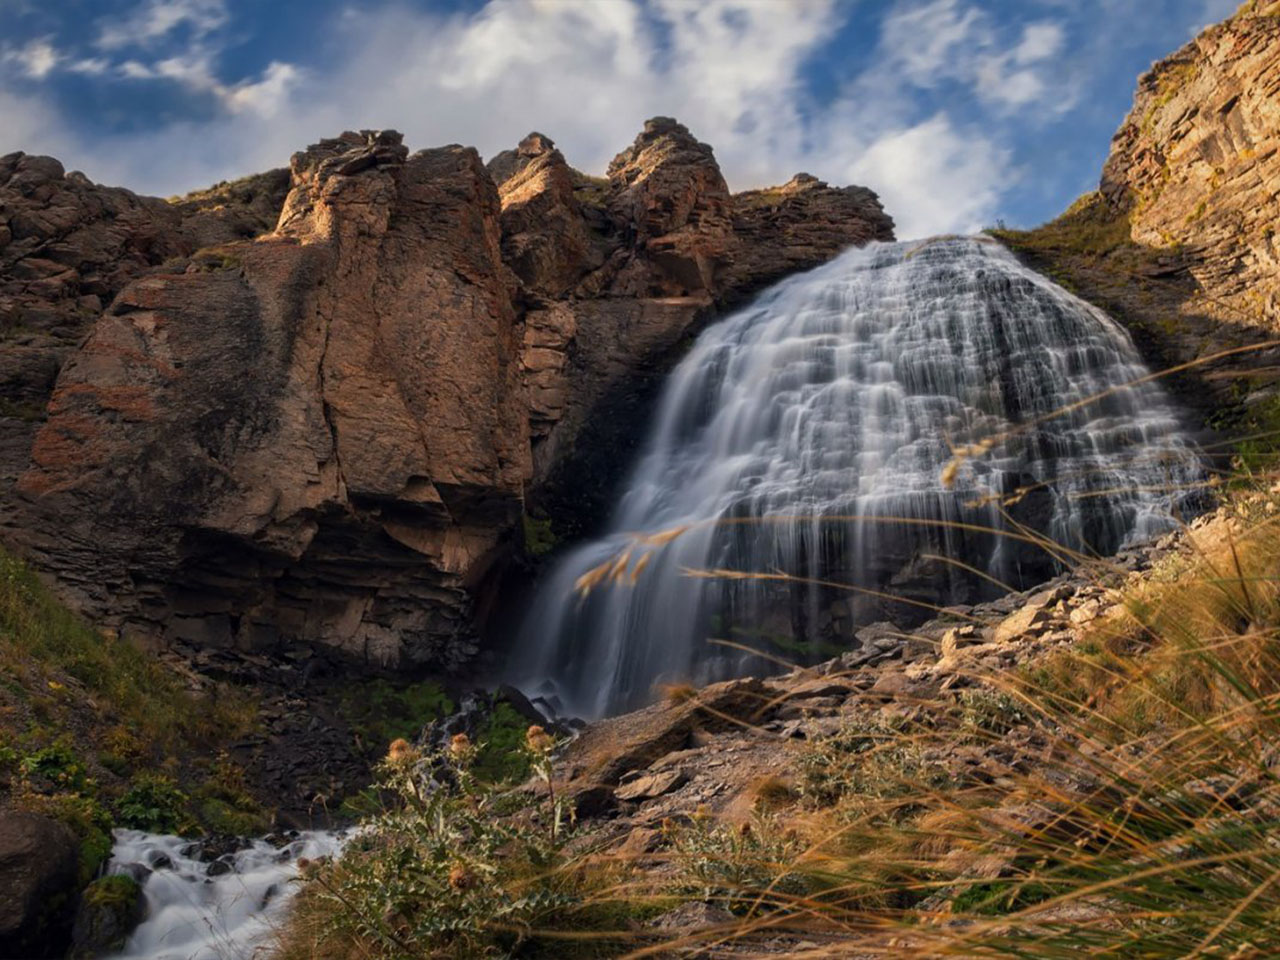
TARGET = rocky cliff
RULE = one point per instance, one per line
(325, 432)
(1179, 240)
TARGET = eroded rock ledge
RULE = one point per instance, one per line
(326, 433)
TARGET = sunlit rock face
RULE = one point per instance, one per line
(815, 433)
(324, 429)
(312, 436)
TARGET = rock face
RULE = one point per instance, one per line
(662, 246)
(1197, 163)
(1179, 241)
(39, 885)
(316, 434)
(326, 434)
(67, 247)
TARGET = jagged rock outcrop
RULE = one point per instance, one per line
(666, 247)
(326, 434)
(1179, 241)
(317, 434)
(67, 247)
(1196, 164)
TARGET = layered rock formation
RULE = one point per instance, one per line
(67, 247)
(315, 434)
(1179, 242)
(1196, 164)
(325, 434)
(620, 272)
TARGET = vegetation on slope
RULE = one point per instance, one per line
(98, 733)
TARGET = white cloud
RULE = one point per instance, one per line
(90, 66)
(926, 42)
(589, 74)
(266, 96)
(156, 19)
(932, 178)
(35, 60)
(1040, 41)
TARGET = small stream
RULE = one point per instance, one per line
(223, 909)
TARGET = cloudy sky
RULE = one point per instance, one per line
(959, 112)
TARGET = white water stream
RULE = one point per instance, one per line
(842, 393)
(193, 915)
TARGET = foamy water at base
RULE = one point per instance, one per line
(205, 911)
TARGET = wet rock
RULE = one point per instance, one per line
(109, 911)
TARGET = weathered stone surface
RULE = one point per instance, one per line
(39, 864)
(67, 247)
(316, 436)
(545, 238)
(651, 785)
(1196, 164)
(1179, 242)
(326, 434)
(667, 248)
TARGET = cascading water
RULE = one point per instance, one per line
(809, 434)
(219, 910)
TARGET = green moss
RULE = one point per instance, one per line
(1089, 227)
(502, 757)
(379, 711)
(118, 891)
(539, 538)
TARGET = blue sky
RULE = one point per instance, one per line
(959, 112)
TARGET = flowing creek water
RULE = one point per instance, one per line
(831, 406)
(224, 909)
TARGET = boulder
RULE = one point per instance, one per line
(110, 909)
(39, 885)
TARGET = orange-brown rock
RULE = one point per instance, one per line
(327, 433)
(318, 434)
(67, 247)
(666, 248)
(1179, 242)
(545, 238)
(1196, 164)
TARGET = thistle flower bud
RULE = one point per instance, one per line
(401, 751)
(460, 878)
(538, 740)
(460, 746)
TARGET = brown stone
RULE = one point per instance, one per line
(326, 459)
(651, 785)
(327, 433)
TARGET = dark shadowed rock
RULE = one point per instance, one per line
(39, 888)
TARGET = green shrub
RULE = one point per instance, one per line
(740, 866)
(56, 764)
(438, 874)
(539, 538)
(153, 803)
(380, 711)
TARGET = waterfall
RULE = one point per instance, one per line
(809, 433)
